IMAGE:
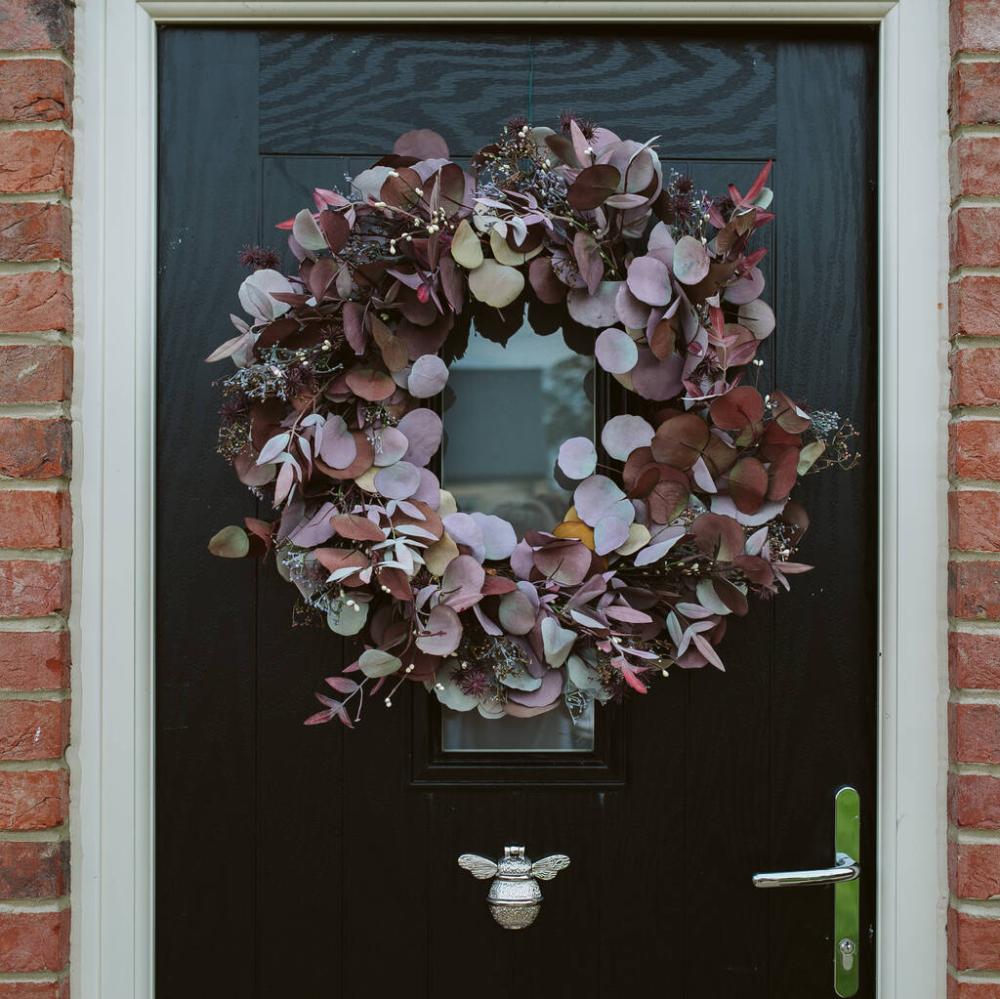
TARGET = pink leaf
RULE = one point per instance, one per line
(704, 646)
(342, 684)
(630, 677)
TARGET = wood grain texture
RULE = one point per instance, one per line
(825, 629)
(336, 875)
(705, 96)
(206, 696)
(355, 91)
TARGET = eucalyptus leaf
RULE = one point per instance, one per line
(230, 542)
(503, 254)
(521, 679)
(496, 284)
(585, 677)
(375, 663)
(809, 455)
(556, 641)
(450, 694)
(347, 619)
(465, 246)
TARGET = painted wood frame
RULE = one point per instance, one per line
(113, 407)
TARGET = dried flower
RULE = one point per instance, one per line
(258, 258)
(477, 680)
(585, 125)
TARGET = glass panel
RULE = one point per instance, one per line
(553, 732)
(511, 407)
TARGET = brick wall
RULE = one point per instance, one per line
(36, 156)
(974, 504)
(36, 359)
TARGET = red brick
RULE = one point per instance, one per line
(33, 799)
(975, 94)
(34, 90)
(39, 300)
(974, 306)
(973, 942)
(975, 166)
(974, 590)
(974, 660)
(974, 520)
(42, 373)
(34, 449)
(34, 230)
(974, 801)
(34, 941)
(974, 450)
(975, 376)
(973, 732)
(34, 519)
(975, 26)
(33, 589)
(33, 870)
(34, 660)
(974, 870)
(975, 237)
(35, 990)
(956, 990)
(35, 161)
(36, 24)
(33, 730)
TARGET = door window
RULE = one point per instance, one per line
(509, 406)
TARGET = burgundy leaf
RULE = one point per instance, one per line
(593, 186)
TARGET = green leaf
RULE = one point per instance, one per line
(503, 254)
(808, 456)
(465, 246)
(344, 620)
(496, 285)
(584, 677)
(556, 642)
(375, 663)
(230, 542)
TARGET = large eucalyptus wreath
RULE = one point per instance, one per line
(680, 510)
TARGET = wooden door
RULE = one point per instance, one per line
(297, 861)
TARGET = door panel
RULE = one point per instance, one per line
(314, 862)
(824, 631)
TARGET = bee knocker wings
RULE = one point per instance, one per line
(479, 867)
(548, 867)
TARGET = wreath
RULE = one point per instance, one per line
(680, 511)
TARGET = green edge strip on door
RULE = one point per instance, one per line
(847, 895)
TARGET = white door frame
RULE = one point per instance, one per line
(114, 255)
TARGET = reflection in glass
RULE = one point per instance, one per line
(512, 407)
(553, 732)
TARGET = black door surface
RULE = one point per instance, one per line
(314, 862)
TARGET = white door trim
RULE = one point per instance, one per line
(112, 621)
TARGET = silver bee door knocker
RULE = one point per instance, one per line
(514, 897)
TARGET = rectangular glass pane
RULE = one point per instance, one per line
(553, 732)
(509, 408)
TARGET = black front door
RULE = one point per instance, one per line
(313, 862)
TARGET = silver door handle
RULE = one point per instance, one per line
(845, 875)
(846, 869)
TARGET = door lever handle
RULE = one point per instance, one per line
(846, 869)
(845, 875)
